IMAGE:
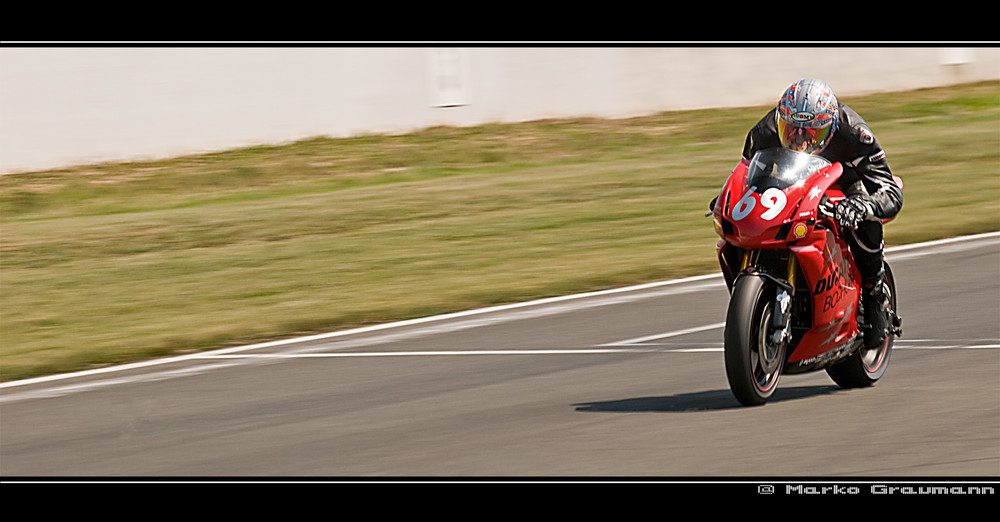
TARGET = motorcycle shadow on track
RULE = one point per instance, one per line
(711, 400)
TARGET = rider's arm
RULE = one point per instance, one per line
(868, 160)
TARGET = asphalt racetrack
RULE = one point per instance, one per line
(624, 383)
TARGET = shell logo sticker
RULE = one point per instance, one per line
(800, 230)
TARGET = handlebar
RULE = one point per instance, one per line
(825, 207)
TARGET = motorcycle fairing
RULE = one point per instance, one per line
(832, 281)
(757, 216)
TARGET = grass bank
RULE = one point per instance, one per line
(103, 264)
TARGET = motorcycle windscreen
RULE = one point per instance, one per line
(781, 168)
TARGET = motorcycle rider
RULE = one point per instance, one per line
(808, 118)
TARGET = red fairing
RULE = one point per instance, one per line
(833, 284)
(749, 219)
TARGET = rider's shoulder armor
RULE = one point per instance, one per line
(855, 145)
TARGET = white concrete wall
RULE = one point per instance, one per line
(72, 105)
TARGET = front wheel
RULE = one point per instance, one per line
(753, 360)
(867, 365)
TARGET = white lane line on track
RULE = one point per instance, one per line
(422, 353)
(230, 360)
(950, 347)
(631, 348)
(927, 248)
(640, 340)
(954, 244)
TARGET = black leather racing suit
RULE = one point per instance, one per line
(866, 172)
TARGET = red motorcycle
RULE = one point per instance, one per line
(795, 304)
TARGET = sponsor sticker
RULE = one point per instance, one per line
(800, 230)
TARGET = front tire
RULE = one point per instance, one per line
(753, 361)
(866, 366)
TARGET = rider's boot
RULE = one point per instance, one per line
(875, 297)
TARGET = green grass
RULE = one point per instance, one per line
(102, 264)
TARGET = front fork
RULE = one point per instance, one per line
(781, 323)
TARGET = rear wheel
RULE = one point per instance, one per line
(867, 365)
(753, 360)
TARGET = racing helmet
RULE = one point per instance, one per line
(807, 116)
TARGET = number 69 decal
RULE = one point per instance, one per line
(773, 200)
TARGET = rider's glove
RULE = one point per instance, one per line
(850, 212)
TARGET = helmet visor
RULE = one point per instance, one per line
(802, 139)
